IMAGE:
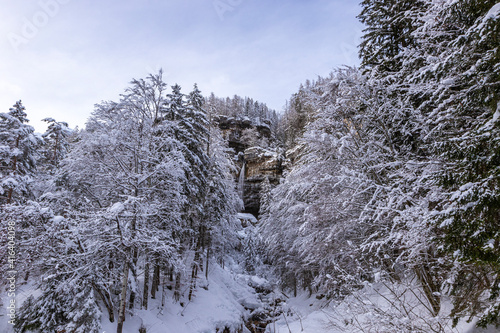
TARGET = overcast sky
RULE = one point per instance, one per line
(63, 56)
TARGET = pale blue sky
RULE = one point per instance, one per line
(63, 56)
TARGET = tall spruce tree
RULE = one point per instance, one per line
(56, 141)
(464, 134)
(18, 151)
(389, 26)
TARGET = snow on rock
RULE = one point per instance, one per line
(245, 218)
(58, 219)
(247, 297)
(493, 13)
(303, 314)
(116, 209)
(242, 234)
(496, 115)
(10, 182)
(258, 281)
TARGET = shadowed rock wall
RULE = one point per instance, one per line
(259, 162)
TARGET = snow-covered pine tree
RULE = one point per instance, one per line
(446, 78)
(222, 200)
(56, 141)
(196, 116)
(389, 26)
(70, 306)
(464, 136)
(18, 149)
(356, 201)
(55, 256)
(397, 51)
(192, 134)
(191, 131)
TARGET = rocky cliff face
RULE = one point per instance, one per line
(260, 164)
(242, 133)
(250, 142)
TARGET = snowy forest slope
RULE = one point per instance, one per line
(387, 216)
(397, 167)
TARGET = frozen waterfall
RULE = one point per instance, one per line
(241, 184)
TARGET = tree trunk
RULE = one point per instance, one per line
(146, 286)
(430, 288)
(108, 303)
(169, 277)
(156, 280)
(294, 286)
(9, 195)
(135, 252)
(207, 244)
(177, 289)
(123, 299)
(163, 291)
(14, 169)
(134, 273)
(55, 150)
(194, 273)
(206, 264)
(131, 300)
(171, 273)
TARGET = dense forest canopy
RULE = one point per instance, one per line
(391, 178)
(398, 169)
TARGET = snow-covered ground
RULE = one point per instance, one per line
(221, 300)
(228, 297)
(306, 314)
(217, 304)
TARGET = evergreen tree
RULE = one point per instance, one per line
(18, 150)
(192, 133)
(56, 143)
(464, 136)
(389, 26)
(62, 306)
